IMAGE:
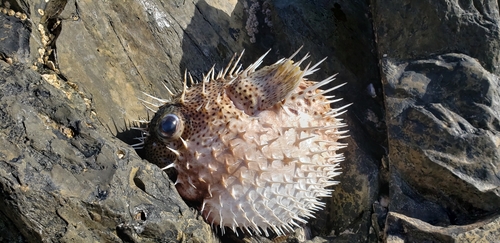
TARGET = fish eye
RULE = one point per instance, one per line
(170, 126)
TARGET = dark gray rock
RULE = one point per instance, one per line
(8, 231)
(439, 64)
(99, 56)
(72, 73)
(417, 29)
(443, 141)
(14, 39)
(408, 229)
(64, 178)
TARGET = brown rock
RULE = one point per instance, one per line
(64, 177)
(78, 188)
(436, 179)
(407, 229)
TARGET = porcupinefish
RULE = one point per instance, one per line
(253, 148)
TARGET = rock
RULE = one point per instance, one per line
(96, 58)
(439, 72)
(72, 73)
(417, 29)
(443, 141)
(407, 229)
(64, 178)
(14, 39)
(8, 231)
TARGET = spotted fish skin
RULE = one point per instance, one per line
(253, 148)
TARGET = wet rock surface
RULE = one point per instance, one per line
(72, 72)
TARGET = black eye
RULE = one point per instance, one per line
(169, 126)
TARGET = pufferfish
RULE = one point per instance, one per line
(254, 149)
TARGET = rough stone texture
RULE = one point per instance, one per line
(15, 39)
(443, 142)
(449, 106)
(439, 63)
(408, 229)
(416, 29)
(78, 183)
(108, 52)
(70, 80)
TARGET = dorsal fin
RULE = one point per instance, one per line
(259, 90)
